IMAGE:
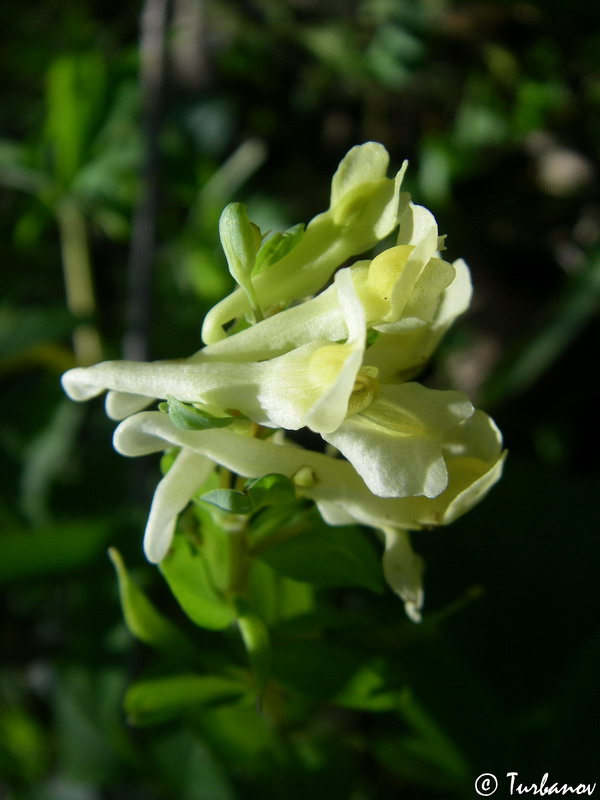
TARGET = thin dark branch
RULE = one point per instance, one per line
(153, 60)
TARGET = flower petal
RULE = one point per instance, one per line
(340, 493)
(403, 570)
(187, 474)
(310, 385)
(364, 163)
(395, 444)
(401, 355)
(122, 404)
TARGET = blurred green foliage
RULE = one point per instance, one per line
(497, 106)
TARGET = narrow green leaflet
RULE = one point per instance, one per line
(278, 246)
(143, 620)
(229, 500)
(269, 490)
(326, 556)
(190, 418)
(186, 571)
(151, 701)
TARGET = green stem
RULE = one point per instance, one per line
(78, 281)
(239, 561)
(253, 300)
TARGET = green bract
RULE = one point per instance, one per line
(241, 240)
(337, 363)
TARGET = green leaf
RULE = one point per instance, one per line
(229, 500)
(270, 490)
(326, 556)
(152, 701)
(190, 418)
(278, 246)
(186, 571)
(275, 597)
(141, 617)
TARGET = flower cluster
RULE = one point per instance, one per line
(337, 357)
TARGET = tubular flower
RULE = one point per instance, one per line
(363, 210)
(337, 363)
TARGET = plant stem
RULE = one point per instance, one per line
(253, 300)
(239, 561)
(78, 281)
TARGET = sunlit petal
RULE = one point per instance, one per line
(395, 444)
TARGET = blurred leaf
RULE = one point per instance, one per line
(367, 691)
(75, 94)
(435, 170)
(392, 54)
(186, 571)
(59, 548)
(152, 701)
(238, 735)
(315, 667)
(188, 766)
(536, 100)
(32, 225)
(89, 740)
(24, 748)
(16, 172)
(191, 418)
(335, 44)
(21, 329)
(431, 747)
(143, 620)
(46, 457)
(326, 556)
